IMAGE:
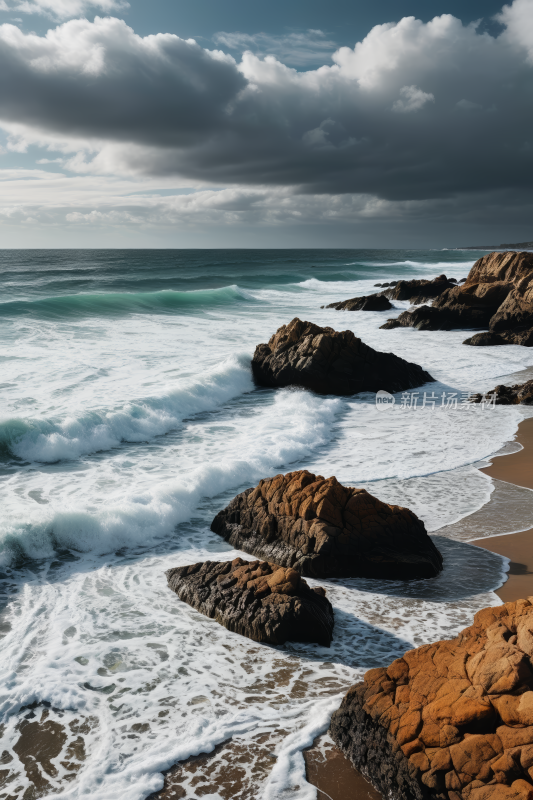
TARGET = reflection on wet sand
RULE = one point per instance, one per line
(48, 753)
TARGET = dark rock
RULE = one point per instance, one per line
(419, 290)
(371, 302)
(323, 529)
(431, 318)
(380, 284)
(453, 719)
(463, 280)
(262, 601)
(331, 362)
(509, 395)
(485, 339)
(524, 338)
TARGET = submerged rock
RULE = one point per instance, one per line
(331, 362)
(262, 601)
(452, 719)
(509, 395)
(323, 529)
(371, 302)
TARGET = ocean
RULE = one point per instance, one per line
(128, 419)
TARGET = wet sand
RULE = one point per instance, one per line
(515, 468)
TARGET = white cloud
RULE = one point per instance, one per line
(412, 99)
(112, 103)
(62, 9)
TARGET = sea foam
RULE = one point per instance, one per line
(49, 440)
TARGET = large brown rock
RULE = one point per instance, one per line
(452, 719)
(497, 294)
(263, 601)
(331, 362)
(323, 529)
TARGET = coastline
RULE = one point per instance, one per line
(515, 468)
(326, 767)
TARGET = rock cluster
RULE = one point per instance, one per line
(420, 290)
(498, 295)
(417, 291)
(263, 601)
(510, 395)
(323, 529)
(371, 302)
(452, 719)
(331, 362)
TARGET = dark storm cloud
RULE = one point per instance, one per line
(414, 111)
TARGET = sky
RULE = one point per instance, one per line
(224, 123)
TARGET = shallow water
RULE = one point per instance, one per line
(129, 418)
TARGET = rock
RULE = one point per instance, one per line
(509, 395)
(323, 529)
(420, 290)
(485, 339)
(331, 362)
(451, 719)
(263, 601)
(524, 338)
(497, 294)
(371, 302)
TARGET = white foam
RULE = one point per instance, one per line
(294, 425)
(97, 430)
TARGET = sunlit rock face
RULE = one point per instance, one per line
(452, 719)
(323, 529)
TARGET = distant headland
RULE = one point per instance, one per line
(516, 246)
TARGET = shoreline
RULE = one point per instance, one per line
(515, 468)
(327, 769)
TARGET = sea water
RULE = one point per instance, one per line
(129, 417)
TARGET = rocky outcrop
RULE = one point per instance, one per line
(509, 395)
(331, 362)
(525, 338)
(371, 302)
(262, 601)
(420, 290)
(417, 291)
(323, 529)
(451, 720)
(498, 294)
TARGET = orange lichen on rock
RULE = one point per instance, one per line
(319, 527)
(452, 719)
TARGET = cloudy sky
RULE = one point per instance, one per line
(205, 123)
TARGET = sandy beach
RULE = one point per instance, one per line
(515, 468)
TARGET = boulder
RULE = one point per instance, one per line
(524, 338)
(323, 529)
(497, 294)
(331, 362)
(453, 719)
(485, 339)
(371, 302)
(509, 395)
(262, 601)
